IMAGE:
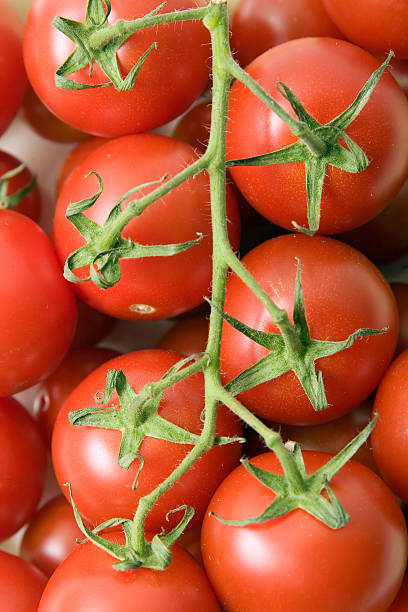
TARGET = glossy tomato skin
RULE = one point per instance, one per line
(313, 69)
(51, 535)
(76, 156)
(390, 435)
(21, 584)
(87, 457)
(38, 312)
(23, 462)
(171, 79)
(384, 30)
(296, 562)
(151, 287)
(188, 336)
(12, 75)
(343, 292)
(87, 581)
(30, 205)
(258, 25)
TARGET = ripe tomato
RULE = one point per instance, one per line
(92, 326)
(87, 581)
(52, 392)
(12, 76)
(390, 435)
(314, 68)
(23, 460)
(87, 457)
(51, 535)
(343, 291)
(38, 310)
(30, 204)
(385, 28)
(258, 25)
(76, 156)
(21, 584)
(188, 336)
(400, 290)
(295, 562)
(172, 77)
(400, 603)
(150, 287)
(194, 126)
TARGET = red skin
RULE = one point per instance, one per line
(400, 291)
(188, 336)
(295, 562)
(400, 603)
(390, 435)
(258, 25)
(278, 191)
(76, 156)
(87, 581)
(51, 535)
(343, 292)
(21, 584)
(23, 462)
(30, 205)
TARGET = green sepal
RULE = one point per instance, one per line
(301, 360)
(10, 201)
(104, 263)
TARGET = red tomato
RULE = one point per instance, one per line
(23, 460)
(12, 76)
(92, 326)
(326, 75)
(258, 25)
(38, 311)
(188, 336)
(87, 457)
(343, 292)
(172, 77)
(295, 562)
(390, 435)
(194, 126)
(373, 24)
(87, 581)
(30, 204)
(400, 291)
(76, 156)
(151, 287)
(400, 603)
(53, 391)
(21, 584)
(51, 535)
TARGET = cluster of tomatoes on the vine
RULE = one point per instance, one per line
(57, 336)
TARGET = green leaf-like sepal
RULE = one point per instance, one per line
(104, 263)
(10, 201)
(300, 360)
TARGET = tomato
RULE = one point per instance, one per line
(343, 292)
(295, 562)
(76, 156)
(51, 535)
(12, 76)
(87, 581)
(314, 68)
(30, 204)
(172, 77)
(45, 123)
(384, 238)
(23, 461)
(383, 30)
(52, 392)
(400, 291)
(151, 287)
(194, 126)
(188, 336)
(92, 326)
(21, 584)
(38, 311)
(400, 603)
(258, 25)
(87, 457)
(390, 435)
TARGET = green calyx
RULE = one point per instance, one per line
(10, 201)
(105, 246)
(156, 555)
(318, 145)
(136, 416)
(306, 494)
(293, 351)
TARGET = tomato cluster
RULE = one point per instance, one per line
(182, 287)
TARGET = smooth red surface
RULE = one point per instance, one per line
(38, 312)
(326, 75)
(188, 336)
(173, 76)
(343, 292)
(87, 457)
(21, 584)
(295, 562)
(30, 205)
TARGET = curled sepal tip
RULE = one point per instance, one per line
(10, 201)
